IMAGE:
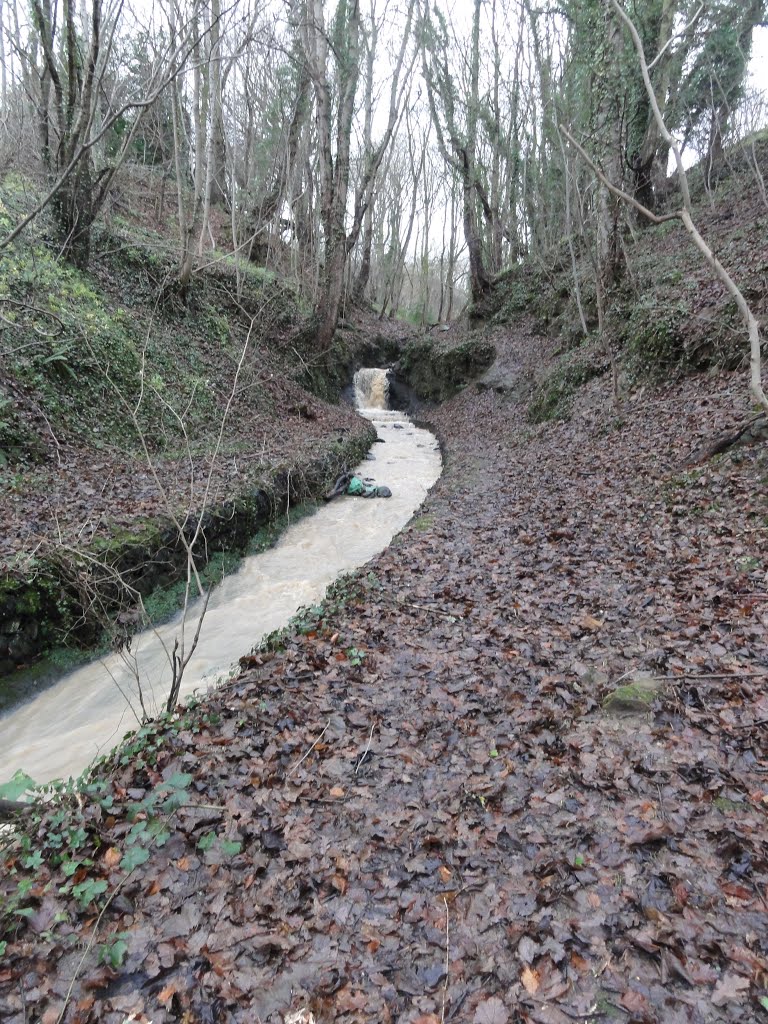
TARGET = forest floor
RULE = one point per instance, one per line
(420, 807)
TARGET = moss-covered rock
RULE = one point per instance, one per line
(436, 371)
(634, 697)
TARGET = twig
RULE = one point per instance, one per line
(95, 930)
(89, 944)
(303, 759)
(451, 616)
(725, 675)
(672, 38)
(447, 959)
(365, 752)
(627, 673)
(201, 807)
(415, 646)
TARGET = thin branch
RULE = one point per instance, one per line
(304, 758)
(614, 188)
(447, 959)
(677, 35)
(364, 754)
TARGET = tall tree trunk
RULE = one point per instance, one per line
(610, 207)
(479, 280)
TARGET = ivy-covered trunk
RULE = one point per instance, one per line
(74, 214)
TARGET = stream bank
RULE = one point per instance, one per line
(74, 596)
(61, 731)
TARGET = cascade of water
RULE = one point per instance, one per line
(372, 388)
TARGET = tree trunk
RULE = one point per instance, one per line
(364, 271)
(328, 308)
(611, 249)
(73, 212)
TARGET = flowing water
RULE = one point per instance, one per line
(59, 732)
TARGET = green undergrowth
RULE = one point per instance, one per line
(553, 397)
(100, 358)
(58, 838)
(668, 315)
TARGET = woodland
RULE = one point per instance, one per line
(515, 768)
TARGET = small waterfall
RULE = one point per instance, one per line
(371, 388)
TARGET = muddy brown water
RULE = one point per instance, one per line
(59, 732)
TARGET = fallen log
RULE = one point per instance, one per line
(751, 432)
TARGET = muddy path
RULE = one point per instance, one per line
(418, 810)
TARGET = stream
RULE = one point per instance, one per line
(59, 732)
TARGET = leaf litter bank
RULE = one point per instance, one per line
(415, 808)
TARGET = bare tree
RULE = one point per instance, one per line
(332, 58)
(70, 92)
(685, 213)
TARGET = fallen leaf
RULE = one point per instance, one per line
(531, 980)
(492, 1011)
(730, 987)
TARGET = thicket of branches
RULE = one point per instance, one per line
(397, 151)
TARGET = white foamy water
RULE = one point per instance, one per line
(372, 389)
(59, 732)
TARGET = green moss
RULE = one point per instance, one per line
(423, 523)
(653, 338)
(728, 806)
(164, 602)
(436, 372)
(635, 697)
(553, 398)
(141, 533)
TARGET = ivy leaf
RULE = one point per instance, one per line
(86, 892)
(160, 832)
(230, 847)
(179, 780)
(206, 842)
(115, 954)
(17, 786)
(133, 857)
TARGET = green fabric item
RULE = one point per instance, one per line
(355, 486)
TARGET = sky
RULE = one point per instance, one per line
(758, 69)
